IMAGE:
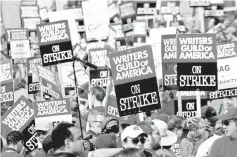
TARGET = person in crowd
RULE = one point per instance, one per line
(95, 120)
(134, 137)
(167, 139)
(110, 125)
(176, 125)
(97, 95)
(195, 137)
(166, 100)
(226, 145)
(15, 140)
(152, 142)
(130, 152)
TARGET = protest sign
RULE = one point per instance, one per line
(139, 33)
(30, 22)
(96, 21)
(169, 71)
(134, 70)
(55, 16)
(128, 15)
(169, 7)
(223, 93)
(6, 95)
(20, 78)
(197, 66)
(193, 76)
(112, 108)
(34, 39)
(30, 136)
(17, 117)
(98, 56)
(5, 71)
(120, 37)
(114, 13)
(28, 2)
(99, 78)
(176, 149)
(196, 48)
(111, 40)
(199, 3)
(17, 34)
(79, 52)
(146, 7)
(33, 78)
(55, 43)
(20, 49)
(44, 14)
(168, 48)
(52, 112)
(29, 11)
(189, 108)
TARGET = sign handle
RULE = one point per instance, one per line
(198, 100)
(179, 102)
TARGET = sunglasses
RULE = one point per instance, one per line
(41, 133)
(226, 122)
(136, 140)
(112, 129)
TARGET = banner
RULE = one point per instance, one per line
(98, 56)
(55, 43)
(96, 21)
(52, 112)
(169, 61)
(132, 71)
(197, 66)
(128, 15)
(30, 22)
(49, 85)
(29, 11)
(17, 117)
(33, 78)
(99, 78)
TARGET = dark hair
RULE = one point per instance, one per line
(146, 127)
(175, 122)
(60, 133)
(99, 93)
(166, 147)
(14, 137)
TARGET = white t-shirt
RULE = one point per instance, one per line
(206, 146)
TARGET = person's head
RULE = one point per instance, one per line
(130, 152)
(43, 129)
(175, 125)
(167, 138)
(97, 94)
(95, 120)
(208, 113)
(67, 138)
(229, 121)
(110, 125)
(126, 121)
(152, 142)
(15, 140)
(165, 95)
(133, 137)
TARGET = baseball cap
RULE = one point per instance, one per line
(168, 138)
(231, 114)
(132, 131)
(209, 113)
(43, 126)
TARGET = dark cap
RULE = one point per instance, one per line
(231, 114)
(209, 113)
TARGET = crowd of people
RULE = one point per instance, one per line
(159, 135)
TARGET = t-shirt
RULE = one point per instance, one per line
(11, 154)
(224, 147)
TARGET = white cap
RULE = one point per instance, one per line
(168, 138)
(132, 131)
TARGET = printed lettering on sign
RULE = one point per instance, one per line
(127, 10)
(30, 23)
(169, 71)
(98, 57)
(99, 78)
(133, 64)
(226, 50)
(196, 47)
(224, 93)
(168, 48)
(193, 76)
(5, 71)
(30, 11)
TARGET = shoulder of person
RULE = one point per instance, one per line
(149, 153)
(222, 139)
